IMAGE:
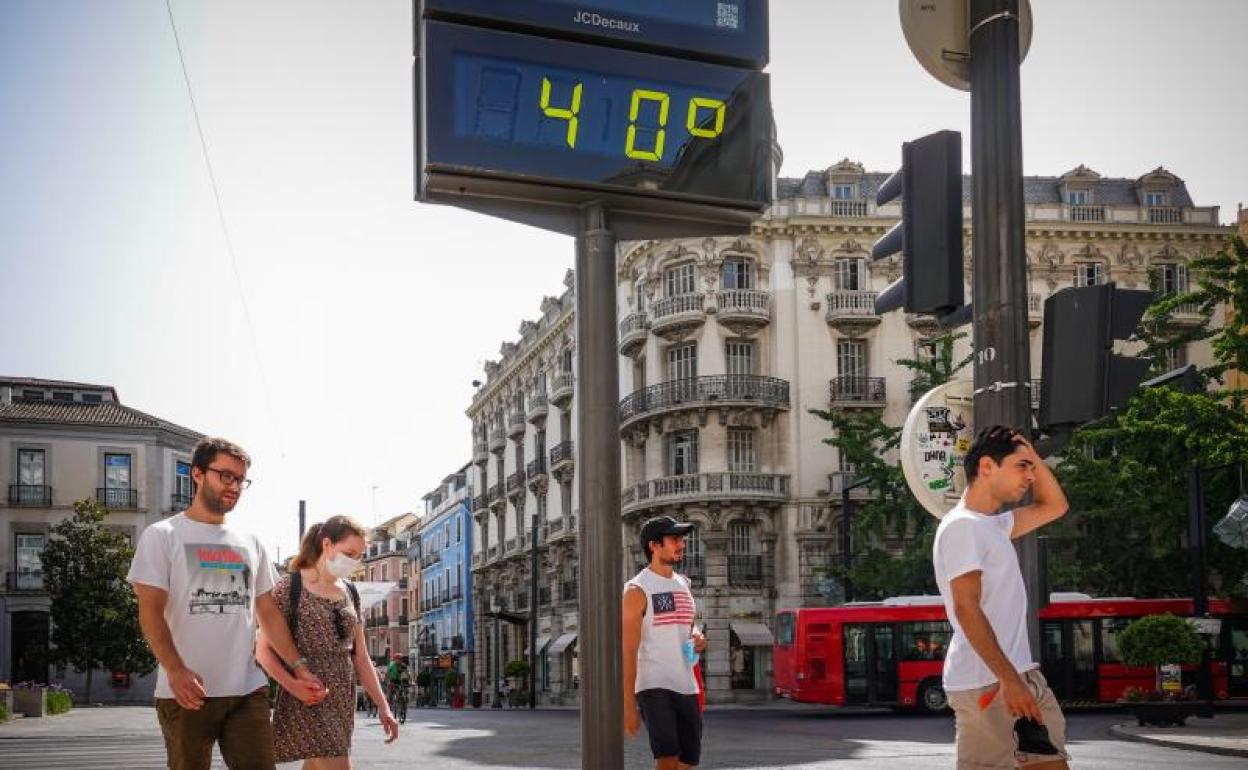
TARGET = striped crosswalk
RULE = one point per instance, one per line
(110, 752)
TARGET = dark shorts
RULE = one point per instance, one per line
(674, 724)
(240, 725)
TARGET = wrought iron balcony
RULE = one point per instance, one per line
(858, 392)
(562, 389)
(745, 570)
(498, 495)
(515, 425)
(30, 494)
(515, 484)
(117, 498)
(498, 439)
(477, 559)
(712, 390)
(480, 452)
(743, 310)
(23, 580)
(562, 457)
(480, 503)
(705, 487)
(536, 471)
(633, 330)
(849, 309)
(537, 408)
(675, 315)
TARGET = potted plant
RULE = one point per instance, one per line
(30, 699)
(1160, 640)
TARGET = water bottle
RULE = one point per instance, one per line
(691, 655)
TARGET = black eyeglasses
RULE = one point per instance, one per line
(228, 478)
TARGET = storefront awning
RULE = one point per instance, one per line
(752, 634)
(542, 641)
(562, 643)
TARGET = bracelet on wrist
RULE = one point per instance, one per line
(296, 664)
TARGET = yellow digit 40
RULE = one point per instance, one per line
(630, 146)
(570, 114)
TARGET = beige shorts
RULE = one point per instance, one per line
(985, 738)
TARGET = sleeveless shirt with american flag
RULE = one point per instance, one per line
(666, 625)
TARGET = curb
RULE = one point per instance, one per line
(1117, 732)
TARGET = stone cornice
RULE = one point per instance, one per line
(485, 398)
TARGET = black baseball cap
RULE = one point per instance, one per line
(656, 528)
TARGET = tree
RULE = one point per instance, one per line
(95, 615)
(892, 532)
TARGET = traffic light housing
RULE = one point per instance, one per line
(929, 235)
(1082, 379)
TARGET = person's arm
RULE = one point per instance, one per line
(188, 686)
(1048, 501)
(634, 609)
(273, 627)
(366, 673)
(309, 693)
(966, 590)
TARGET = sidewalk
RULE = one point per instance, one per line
(1226, 733)
(85, 721)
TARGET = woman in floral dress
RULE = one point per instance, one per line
(316, 726)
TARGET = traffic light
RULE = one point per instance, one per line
(1082, 378)
(929, 235)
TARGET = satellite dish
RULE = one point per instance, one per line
(934, 441)
(938, 32)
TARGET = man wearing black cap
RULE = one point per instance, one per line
(660, 649)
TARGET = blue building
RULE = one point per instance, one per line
(442, 640)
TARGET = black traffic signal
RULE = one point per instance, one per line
(1082, 378)
(929, 235)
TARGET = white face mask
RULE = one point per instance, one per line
(341, 565)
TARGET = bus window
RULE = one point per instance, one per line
(1110, 629)
(784, 629)
(925, 640)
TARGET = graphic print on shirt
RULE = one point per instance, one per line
(220, 579)
(673, 608)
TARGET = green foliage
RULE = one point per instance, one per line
(1156, 640)
(516, 669)
(4, 713)
(423, 678)
(452, 678)
(95, 618)
(892, 532)
(59, 702)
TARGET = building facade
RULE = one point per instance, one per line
(524, 434)
(387, 561)
(442, 635)
(727, 346)
(61, 442)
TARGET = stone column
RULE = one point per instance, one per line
(715, 615)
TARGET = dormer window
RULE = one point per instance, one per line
(1079, 197)
(1155, 199)
(843, 192)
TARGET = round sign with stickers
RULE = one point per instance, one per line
(936, 437)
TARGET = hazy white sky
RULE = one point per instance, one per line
(372, 314)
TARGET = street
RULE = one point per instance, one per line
(129, 738)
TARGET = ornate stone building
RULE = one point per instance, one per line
(523, 441)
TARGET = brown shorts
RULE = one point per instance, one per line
(240, 724)
(985, 738)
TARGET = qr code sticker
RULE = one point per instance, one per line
(729, 15)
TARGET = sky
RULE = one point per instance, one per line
(335, 333)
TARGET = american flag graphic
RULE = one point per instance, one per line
(673, 608)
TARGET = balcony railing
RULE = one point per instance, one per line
(535, 468)
(680, 303)
(561, 453)
(538, 407)
(403, 619)
(848, 208)
(744, 305)
(724, 485)
(515, 424)
(510, 544)
(562, 388)
(492, 552)
(498, 439)
(179, 502)
(633, 330)
(851, 304)
(1165, 215)
(515, 482)
(691, 391)
(480, 451)
(867, 390)
(30, 494)
(117, 498)
(480, 502)
(23, 581)
(745, 570)
(497, 492)
(1085, 213)
(477, 559)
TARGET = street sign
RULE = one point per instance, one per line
(934, 441)
(725, 31)
(938, 33)
(556, 123)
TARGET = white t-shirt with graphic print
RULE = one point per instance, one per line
(213, 575)
(967, 541)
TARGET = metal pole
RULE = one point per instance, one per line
(1197, 544)
(847, 557)
(598, 483)
(303, 517)
(533, 618)
(1001, 333)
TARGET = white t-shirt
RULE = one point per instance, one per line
(666, 626)
(213, 575)
(967, 541)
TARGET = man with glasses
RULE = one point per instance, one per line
(203, 586)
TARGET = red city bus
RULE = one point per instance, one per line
(891, 653)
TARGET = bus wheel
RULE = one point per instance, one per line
(932, 698)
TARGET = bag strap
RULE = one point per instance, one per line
(355, 595)
(292, 607)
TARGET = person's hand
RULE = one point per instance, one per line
(188, 688)
(304, 674)
(1018, 699)
(308, 693)
(1029, 451)
(699, 641)
(632, 720)
(390, 725)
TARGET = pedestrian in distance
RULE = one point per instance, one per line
(203, 586)
(1005, 714)
(322, 608)
(660, 649)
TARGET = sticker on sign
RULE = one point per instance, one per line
(934, 441)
